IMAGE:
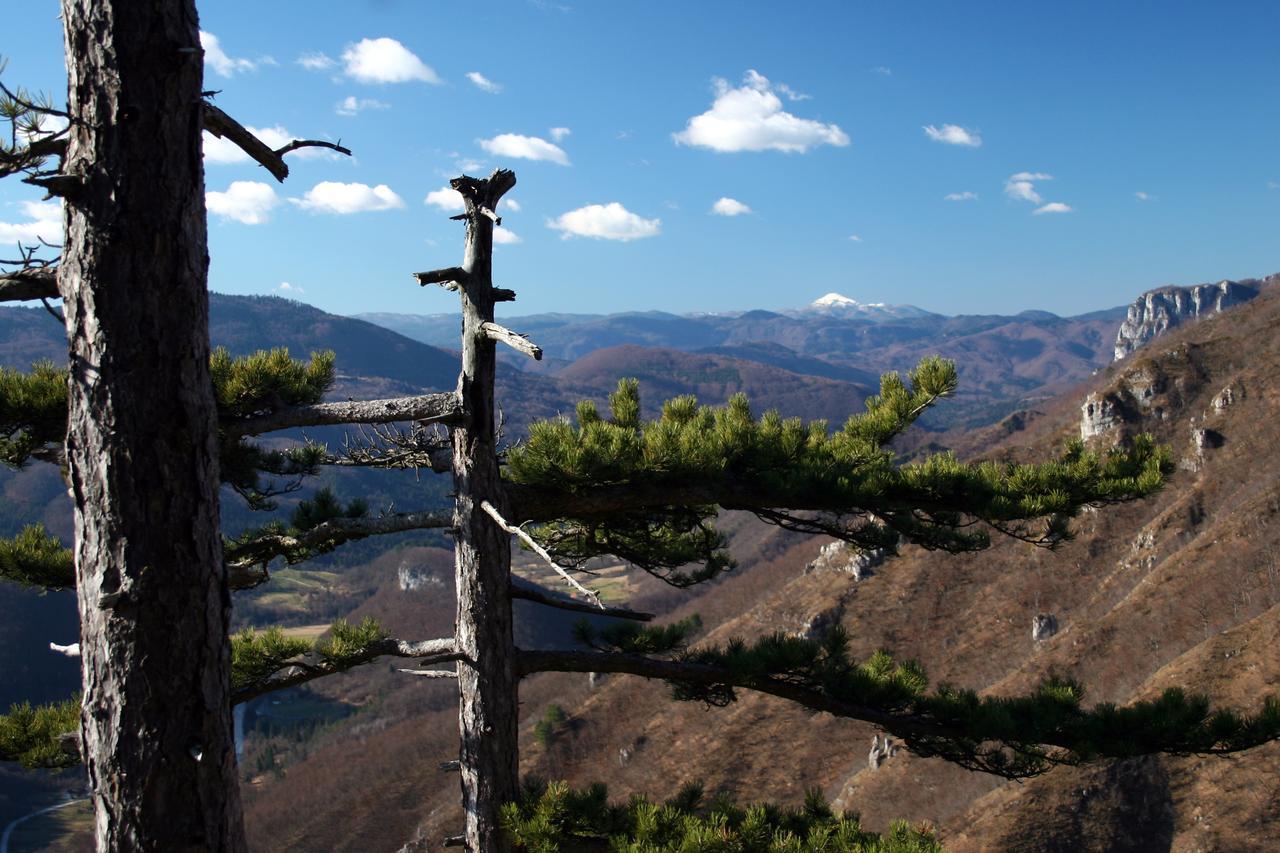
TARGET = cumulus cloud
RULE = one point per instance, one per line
(751, 118)
(483, 83)
(249, 202)
(729, 207)
(524, 148)
(385, 60)
(953, 134)
(504, 236)
(559, 133)
(609, 221)
(336, 197)
(1021, 186)
(510, 204)
(964, 196)
(1054, 207)
(446, 198)
(43, 222)
(221, 151)
(351, 105)
(217, 59)
(286, 287)
(316, 61)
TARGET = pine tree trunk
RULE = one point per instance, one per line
(488, 707)
(141, 444)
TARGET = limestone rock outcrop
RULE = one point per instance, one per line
(1157, 311)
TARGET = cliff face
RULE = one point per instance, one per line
(1157, 311)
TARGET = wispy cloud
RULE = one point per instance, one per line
(1054, 207)
(340, 198)
(505, 236)
(524, 148)
(882, 70)
(509, 204)
(316, 61)
(247, 202)
(446, 198)
(954, 134)
(963, 196)
(1022, 186)
(729, 207)
(1141, 196)
(559, 133)
(854, 238)
(605, 222)
(216, 58)
(43, 222)
(751, 118)
(483, 83)
(351, 105)
(385, 60)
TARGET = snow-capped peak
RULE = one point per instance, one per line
(838, 305)
(833, 300)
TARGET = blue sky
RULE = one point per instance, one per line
(1090, 150)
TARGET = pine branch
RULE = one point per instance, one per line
(432, 408)
(267, 661)
(1011, 737)
(27, 284)
(529, 591)
(258, 550)
(222, 125)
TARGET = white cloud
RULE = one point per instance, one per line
(1141, 196)
(221, 151)
(882, 70)
(44, 222)
(559, 133)
(504, 236)
(953, 134)
(1054, 207)
(249, 202)
(483, 83)
(510, 204)
(1021, 186)
(1273, 185)
(964, 196)
(336, 197)
(751, 118)
(729, 207)
(316, 61)
(854, 238)
(385, 60)
(525, 148)
(446, 198)
(286, 287)
(351, 105)
(216, 58)
(605, 222)
(792, 94)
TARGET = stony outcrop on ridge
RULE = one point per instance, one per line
(1157, 311)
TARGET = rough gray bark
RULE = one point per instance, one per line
(487, 683)
(152, 591)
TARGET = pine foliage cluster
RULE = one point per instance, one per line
(35, 736)
(33, 412)
(34, 558)
(256, 656)
(845, 482)
(554, 817)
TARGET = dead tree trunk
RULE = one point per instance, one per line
(487, 683)
(153, 598)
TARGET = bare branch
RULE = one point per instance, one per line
(300, 672)
(541, 552)
(516, 341)
(502, 294)
(390, 446)
(27, 284)
(433, 408)
(430, 673)
(312, 143)
(529, 591)
(222, 125)
(450, 278)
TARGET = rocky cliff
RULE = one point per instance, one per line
(1157, 311)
